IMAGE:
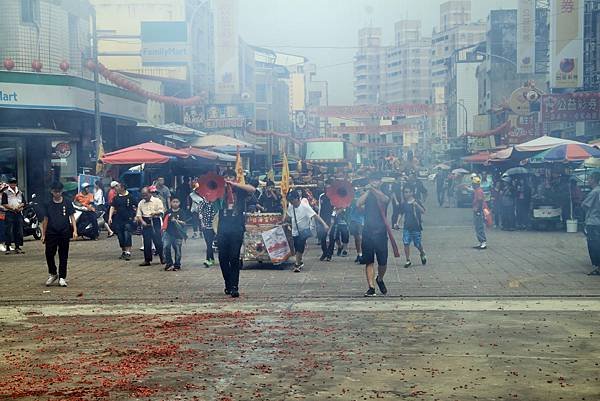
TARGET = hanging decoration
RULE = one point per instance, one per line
(36, 65)
(9, 63)
(64, 66)
(131, 86)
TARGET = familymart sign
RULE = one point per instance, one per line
(164, 43)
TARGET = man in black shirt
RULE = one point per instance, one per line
(326, 213)
(230, 232)
(412, 210)
(374, 240)
(270, 201)
(417, 186)
(120, 218)
(396, 201)
(58, 222)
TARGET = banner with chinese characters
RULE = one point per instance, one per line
(566, 43)
(526, 36)
(579, 106)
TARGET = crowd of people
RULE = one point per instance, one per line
(162, 218)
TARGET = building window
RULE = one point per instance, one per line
(261, 93)
(74, 39)
(30, 11)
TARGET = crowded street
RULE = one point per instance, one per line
(275, 200)
(517, 321)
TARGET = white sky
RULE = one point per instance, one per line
(295, 26)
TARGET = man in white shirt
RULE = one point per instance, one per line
(300, 214)
(149, 212)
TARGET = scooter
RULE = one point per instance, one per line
(85, 219)
(31, 223)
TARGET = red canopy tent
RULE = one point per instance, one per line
(152, 147)
(134, 156)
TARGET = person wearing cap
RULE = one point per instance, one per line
(230, 230)
(13, 202)
(86, 199)
(112, 192)
(478, 218)
(58, 227)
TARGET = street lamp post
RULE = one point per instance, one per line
(97, 117)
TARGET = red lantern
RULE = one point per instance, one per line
(64, 66)
(90, 65)
(36, 65)
(9, 63)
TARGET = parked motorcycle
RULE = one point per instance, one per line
(31, 223)
(88, 222)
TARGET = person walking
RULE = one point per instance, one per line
(396, 201)
(325, 213)
(374, 239)
(174, 234)
(149, 213)
(120, 217)
(13, 202)
(162, 192)
(230, 230)
(412, 211)
(338, 234)
(195, 203)
(478, 218)
(440, 186)
(357, 221)
(591, 206)
(58, 227)
(300, 214)
(100, 203)
(207, 216)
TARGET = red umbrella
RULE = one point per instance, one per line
(134, 156)
(153, 147)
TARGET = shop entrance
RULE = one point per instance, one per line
(12, 160)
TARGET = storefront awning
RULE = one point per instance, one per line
(32, 131)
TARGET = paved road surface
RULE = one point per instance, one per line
(518, 321)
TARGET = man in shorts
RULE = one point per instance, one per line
(374, 239)
(412, 211)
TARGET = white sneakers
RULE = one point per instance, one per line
(52, 278)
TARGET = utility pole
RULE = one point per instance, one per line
(97, 117)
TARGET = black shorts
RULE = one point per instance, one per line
(355, 228)
(299, 244)
(375, 245)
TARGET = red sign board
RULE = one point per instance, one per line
(370, 111)
(580, 106)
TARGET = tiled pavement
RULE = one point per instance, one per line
(537, 264)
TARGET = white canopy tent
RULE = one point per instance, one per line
(543, 143)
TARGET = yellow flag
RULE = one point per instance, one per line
(285, 181)
(99, 164)
(271, 175)
(239, 170)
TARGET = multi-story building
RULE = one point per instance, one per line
(120, 40)
(368, 66)
(456, 31)
(47, 103)
(461, 91)
(407, 65)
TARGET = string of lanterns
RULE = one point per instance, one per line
(119, 80)
(128, 84)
